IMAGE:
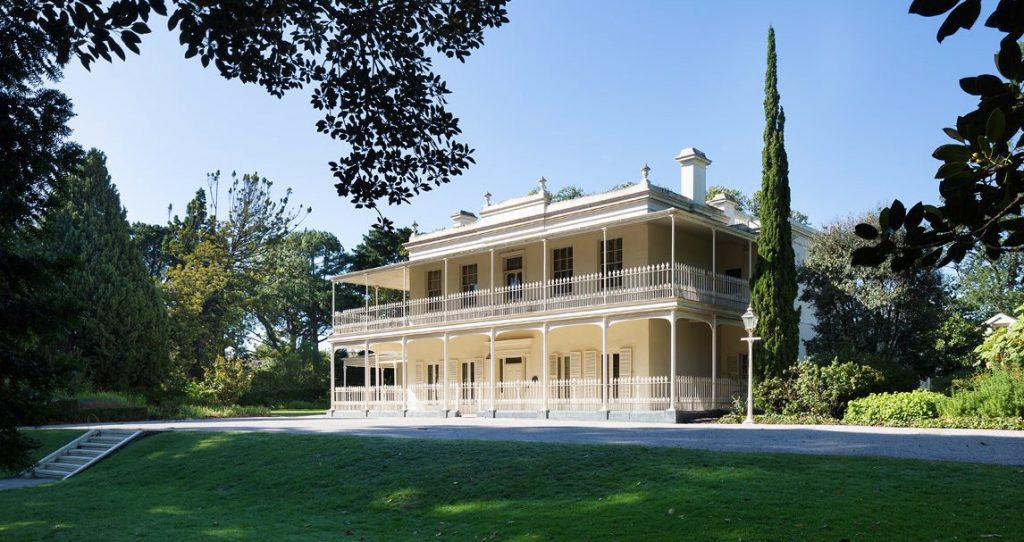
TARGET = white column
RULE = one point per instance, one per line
(714, 361)
(366, 301)
(714, 250)
(444, 292)
(605, 376)
(672, 391)
(333, 285)
(344, 370)
(546, 366)
(405, 376)
(672, 267)
(444, 369)
(492, 278)
(366, 375)
(405, 298)
(333, 352)
(544, 280)
(604, 264)
(493, 372)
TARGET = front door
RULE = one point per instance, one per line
(512, 369)
(469, 376)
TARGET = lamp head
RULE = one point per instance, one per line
(749, 320)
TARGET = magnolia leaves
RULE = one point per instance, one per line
(980, 178)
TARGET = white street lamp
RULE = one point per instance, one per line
(750, 324)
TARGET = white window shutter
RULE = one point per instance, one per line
(553, 366)
(421, 372)
(625, 362)
(590, 364)
(454, 372)
(479, 368)
(575, 358)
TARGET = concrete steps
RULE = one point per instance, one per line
(81, 453)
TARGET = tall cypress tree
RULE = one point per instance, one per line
(121, 334)
(774, 287)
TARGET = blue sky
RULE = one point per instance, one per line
(582, 92)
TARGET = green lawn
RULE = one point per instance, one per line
(49, 441)
(176, 486)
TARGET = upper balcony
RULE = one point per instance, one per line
(632, 285)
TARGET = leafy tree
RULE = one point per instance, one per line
(774, 288)
(369, 63)
(152, 240)
(293, 299)
(751, 205)
(1004, 347)
(985, 288)
(121, 338)
(35, 155)
(981, 182)
(874, 315)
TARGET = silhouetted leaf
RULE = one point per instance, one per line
(995, 126)
(866, 231)
(897, 212)
(931, 8)
(963, 16)
(952, 133)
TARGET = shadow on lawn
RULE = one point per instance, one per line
(258, 486)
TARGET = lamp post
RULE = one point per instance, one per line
(750, 324)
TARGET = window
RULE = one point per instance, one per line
(514, 277)
(469, 285)
(613, 255)
(562, 268)
(434, 290)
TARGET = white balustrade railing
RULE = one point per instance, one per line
(701, 393)
(639, 393)
(575, 394)
(519, 395)
(630, 285)
(693, 393)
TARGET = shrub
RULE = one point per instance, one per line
(225, 383)
(998, 393)
(887, 408)
(818, 390)
(1004, 347)
(283, 377)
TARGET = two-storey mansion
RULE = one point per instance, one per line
(624, 304)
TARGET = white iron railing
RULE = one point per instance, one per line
(575, 394)
(519, 395)
(630, 285)
(695, 392)
(639, 393)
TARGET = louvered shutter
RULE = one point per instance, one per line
(480, 370)
(590, 364)
(421, 373)
(575, 359)
(625, 362)
(553, 366)
(454, 375)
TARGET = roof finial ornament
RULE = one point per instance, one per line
(543, 185)
(645, 172)
(415, 228)
(487, 199)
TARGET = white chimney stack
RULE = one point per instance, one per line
(693, 165)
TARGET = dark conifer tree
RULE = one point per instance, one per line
(774, 284)
(121, 336)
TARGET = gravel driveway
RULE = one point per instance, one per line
(981, 446)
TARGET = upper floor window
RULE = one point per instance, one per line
(514, 277)
(469, 284)
(562, 271)
(611, 261)
(434, 289)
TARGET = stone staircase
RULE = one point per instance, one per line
(80, 453)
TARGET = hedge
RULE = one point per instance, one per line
(883, 408)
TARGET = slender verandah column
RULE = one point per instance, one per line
(444, 369)
(493, 371)
(672, 391)
(714, 362)
(331, 391)
(366, 375)
(546, 365)
(405, 376)
(605, 377)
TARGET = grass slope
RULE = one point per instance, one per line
(181, 486)
(49, 441)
